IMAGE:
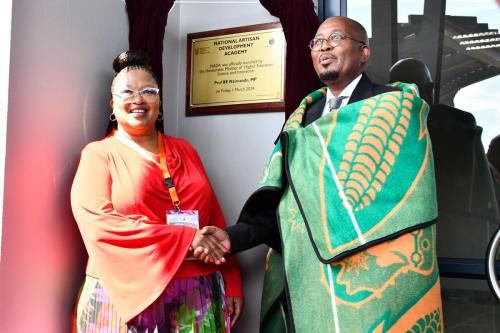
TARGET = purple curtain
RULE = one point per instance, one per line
(299, 22)
(147, 22)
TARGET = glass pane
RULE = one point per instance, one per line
(469, 82)
(360, 10)
(406, 8)
(474, 25)
(481, 100)
(464, 62)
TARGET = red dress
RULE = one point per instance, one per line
(119, 201)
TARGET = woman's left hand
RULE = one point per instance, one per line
(235, 307)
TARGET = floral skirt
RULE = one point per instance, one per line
(187, 305)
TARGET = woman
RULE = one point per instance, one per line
(139, 198)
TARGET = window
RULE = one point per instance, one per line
(476, 23)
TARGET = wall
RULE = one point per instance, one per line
(5, 24)
(234, 148)
(60, 73)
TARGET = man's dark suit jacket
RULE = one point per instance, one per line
(262, 225)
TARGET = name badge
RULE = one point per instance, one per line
(186, 218)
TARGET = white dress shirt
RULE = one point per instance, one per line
(347, 92)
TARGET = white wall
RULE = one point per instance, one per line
(60, 74)
(234, 148)
(5, 24)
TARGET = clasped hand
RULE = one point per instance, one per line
(210, 244)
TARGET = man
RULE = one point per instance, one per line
(460, 165)
(493, 156)
(348, 203)
(414, 71)
(339, 54)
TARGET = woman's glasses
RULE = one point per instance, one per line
(149, 94)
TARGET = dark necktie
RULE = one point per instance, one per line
(336, 102)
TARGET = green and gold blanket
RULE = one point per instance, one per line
(356, 216)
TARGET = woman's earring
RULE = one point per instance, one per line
(160, 117)
(112, 116)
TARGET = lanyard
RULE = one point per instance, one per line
(167, 179)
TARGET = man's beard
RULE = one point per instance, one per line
(329, 76)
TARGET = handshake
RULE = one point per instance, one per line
(210, 244)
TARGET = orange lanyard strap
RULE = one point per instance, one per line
(169, 182)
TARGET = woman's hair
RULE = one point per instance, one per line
(129, 60)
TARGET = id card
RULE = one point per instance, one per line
(186, 218)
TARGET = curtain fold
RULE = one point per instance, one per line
(299, 22)
(147, 23)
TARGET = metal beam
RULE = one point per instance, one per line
(327, 8)
(430, 39)
(465, 268)
(384, 41)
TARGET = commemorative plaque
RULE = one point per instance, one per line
(236, 70)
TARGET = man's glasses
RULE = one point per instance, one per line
(333, 40)
(149, 94)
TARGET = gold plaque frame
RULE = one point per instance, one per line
(236, 70)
